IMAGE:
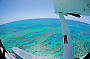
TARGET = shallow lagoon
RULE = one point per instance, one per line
(42, 37)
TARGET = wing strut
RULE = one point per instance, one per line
(67, 41)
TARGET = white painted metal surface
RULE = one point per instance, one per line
(9, 56)
(81, 7)
(62, 7)
(68, 48)
(26, 55)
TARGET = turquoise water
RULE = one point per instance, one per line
(42, 37)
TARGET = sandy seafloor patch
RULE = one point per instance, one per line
(42, 37)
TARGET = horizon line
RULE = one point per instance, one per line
(14, 20)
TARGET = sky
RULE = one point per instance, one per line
(15, 10)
